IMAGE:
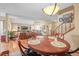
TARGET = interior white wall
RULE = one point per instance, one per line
(73, 36)
(21, 20)
(1, 27)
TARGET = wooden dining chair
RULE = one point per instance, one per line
(71, 53)
(5, 53)
(59, 35)
(22, 48)
(26, 51)
(34, 34)
(23, 36)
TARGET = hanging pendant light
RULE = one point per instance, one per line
(51, 10)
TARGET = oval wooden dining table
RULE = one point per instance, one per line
(45, 48)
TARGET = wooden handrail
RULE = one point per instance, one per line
(65, 28)
(58, 26)
(69, 30)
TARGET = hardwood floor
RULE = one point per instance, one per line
(13, 47)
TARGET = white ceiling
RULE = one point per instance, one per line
(31, 11)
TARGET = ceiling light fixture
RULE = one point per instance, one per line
(51, 10)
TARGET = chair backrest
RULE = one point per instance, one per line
(22, 36)
(21, 47)
(34, 34)
(5, 53)
(59, 35)
(27, 51)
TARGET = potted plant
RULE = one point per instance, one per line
(10, 35)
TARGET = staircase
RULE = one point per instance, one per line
(64, 28)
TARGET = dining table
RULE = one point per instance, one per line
(46, 48)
